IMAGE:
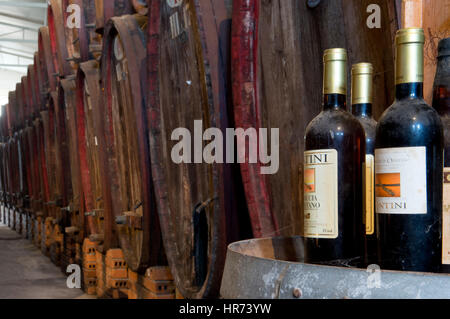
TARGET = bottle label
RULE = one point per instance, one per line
(446, 218)
(401, 180)
(369, 195)
(321, 194)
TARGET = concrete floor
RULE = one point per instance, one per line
(27, 274)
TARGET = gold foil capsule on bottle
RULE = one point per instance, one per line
(335, 71)
(409, 58)
(362, 83)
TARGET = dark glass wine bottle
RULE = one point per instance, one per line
(362, 97)
(441, 103)
(408, 167)
(333, 174)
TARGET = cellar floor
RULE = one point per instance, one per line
(27, 274)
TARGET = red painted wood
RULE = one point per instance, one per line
(244, 70)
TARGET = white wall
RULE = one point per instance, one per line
(8, 80)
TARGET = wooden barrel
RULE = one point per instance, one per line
(61, 38)
(91, 151)
(277, 80)
(74, 219)
(42, 211)
(126, 140)
(23, 157)
(106, 9)
(53, 170)
(6, 162)
(46, 63)
(64, 209)
(67, 92)
(17, 181)
(26, 181)
(50, 146)
(188, 52)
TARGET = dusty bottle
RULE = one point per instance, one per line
(333, 174)
(362, 98)
(408, 167)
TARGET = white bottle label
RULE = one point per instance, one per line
(401, 180)
(321, 194)
(446, 218)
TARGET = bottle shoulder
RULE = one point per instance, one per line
(410, 111)
(334, 121)
(369, 124)
(410, 121)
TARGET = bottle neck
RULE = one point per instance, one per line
(362, 110)
(409, 90)
(334, 101)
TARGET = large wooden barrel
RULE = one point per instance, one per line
(42, 211)
(91, 151)
(52, 223)
(67, 96)
(126, 140)
(73, 214)
(53, 170)
(106, 9)
(277, 81)
(188, 52)
(46, 63)
(61, 38)
(22, 144)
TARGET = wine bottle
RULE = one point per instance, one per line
(362, 96)
(408, 167)
(441, 103)
(333, 174)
